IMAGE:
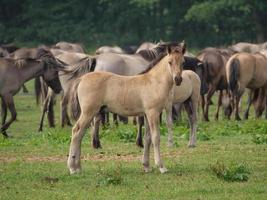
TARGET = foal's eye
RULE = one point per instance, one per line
(170, 62)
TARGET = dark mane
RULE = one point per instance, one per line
(85, 65)
(153, 63)
(162, 49)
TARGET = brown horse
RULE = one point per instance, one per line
(13, 73)
(243, 71)
(214, 63)
(144, 94)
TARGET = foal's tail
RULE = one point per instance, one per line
(233, 74)
(73, 96)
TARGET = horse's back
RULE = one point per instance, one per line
(121, 64)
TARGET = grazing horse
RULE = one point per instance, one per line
(144, 94)
(243, 71)
(13, 73)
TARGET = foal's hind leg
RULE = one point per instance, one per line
(191, 109)
(74, 160)
(95, 132)
(11, 106)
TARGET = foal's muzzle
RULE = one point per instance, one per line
(178, 80)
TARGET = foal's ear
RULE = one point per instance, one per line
(183, 45)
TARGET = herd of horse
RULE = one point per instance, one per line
(139, 82)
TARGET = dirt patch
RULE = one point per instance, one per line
(61, 158)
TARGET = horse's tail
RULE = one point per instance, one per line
(233, 74)
(73, 96)
(40, 88)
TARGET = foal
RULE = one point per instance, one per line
(144, 94)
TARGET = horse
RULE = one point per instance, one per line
(248, 47)
(109, 49)
(67, 46)
(22, 70)
(245, 70)
(72, 60)
(183, 94)
(143, 94)
(214, 64)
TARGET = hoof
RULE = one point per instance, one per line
(191, 145)
(170, 144)
(140, 144)
(163, 170)
(74, 171)
(96, 144)
(147, 169)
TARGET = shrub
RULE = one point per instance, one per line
(234, 172)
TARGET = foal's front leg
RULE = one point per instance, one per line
(3, 115)
(153, 120)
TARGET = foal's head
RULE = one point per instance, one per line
(175, 61)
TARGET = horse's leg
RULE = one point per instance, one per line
(153, 121)
(44, 110)
(219, 105)
(237, 99)
(140, 123)
(24, 89)
(3, 115)
(249, 102)
(203, 105)
(123, 119)
(191, 109)
(74, 160)
(65, 119)
(50, 110)
(169, 122)
(208, 101)
(11, 106)
(95, 132)
(260, 106)
(115, 119)
(146, 147)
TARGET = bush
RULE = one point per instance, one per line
(234, 172)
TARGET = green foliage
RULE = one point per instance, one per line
(259, 138)
(121, 22)
(113, 177)
(234, 172)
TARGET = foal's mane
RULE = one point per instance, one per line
(85, 65)
(160, 56)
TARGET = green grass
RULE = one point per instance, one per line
(33, 165)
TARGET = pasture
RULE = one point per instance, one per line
(33, 164)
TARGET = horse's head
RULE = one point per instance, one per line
(175, 61)
(51, 68)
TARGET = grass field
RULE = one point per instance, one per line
(229, 162)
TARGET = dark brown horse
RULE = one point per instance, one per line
(13, 73)
(214, 63)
